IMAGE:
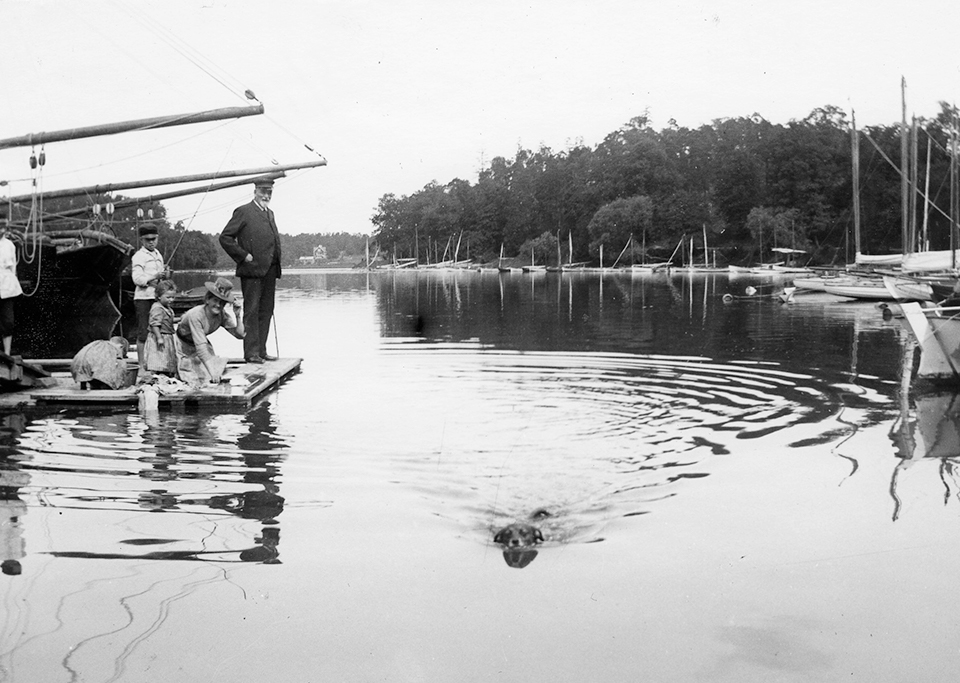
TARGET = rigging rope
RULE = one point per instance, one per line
(195, 57)
(183, 49)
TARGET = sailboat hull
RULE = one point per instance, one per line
(937, 332)
(71, 295)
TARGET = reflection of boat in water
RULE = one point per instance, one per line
(934, 431)
(928, 439)
(70, 265)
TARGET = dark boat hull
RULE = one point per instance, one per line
(69, 294)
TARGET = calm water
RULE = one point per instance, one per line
(743, 491)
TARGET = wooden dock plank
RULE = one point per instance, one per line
(257, 380)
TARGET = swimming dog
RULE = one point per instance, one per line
(522, 534)
(518, 535)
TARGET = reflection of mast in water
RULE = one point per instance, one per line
(709, 280)
(12, 508)
(500, 277)
(600, 309)
(559, 291)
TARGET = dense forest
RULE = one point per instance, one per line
(747, 184)
(744, 184)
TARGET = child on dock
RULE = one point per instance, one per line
(160, 354)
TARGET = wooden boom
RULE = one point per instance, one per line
(116, 187)
(124, 126)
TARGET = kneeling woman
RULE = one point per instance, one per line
(197, 363)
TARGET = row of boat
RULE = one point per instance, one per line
(879, 286)
(926, 307)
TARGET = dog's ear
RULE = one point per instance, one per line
(538, 535)
(500, 537)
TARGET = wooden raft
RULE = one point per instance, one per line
(259, 379)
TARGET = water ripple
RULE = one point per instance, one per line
(597, 435)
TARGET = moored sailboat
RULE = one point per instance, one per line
(70, 264)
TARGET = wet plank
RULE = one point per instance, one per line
(256, 381)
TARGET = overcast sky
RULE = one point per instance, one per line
(396, 94)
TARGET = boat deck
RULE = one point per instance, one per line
(242, 384)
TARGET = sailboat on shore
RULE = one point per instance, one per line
(570, 264)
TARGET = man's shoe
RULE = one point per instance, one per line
(254, 359)
(267, 356)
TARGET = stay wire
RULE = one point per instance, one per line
(184, 49)
(207, 66)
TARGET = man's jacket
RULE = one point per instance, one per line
(252, 230)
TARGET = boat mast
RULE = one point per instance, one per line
(679, 244)
(904, 177)
(924, 239)
(32, 139)
(855, 151)
(953, 191)
(913, 185)
(706, 252)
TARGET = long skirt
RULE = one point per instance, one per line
(158, 359)
(191, 369)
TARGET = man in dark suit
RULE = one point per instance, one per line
(253, 242)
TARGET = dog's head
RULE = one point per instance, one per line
(518, 535)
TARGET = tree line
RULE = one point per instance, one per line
(746, 184)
